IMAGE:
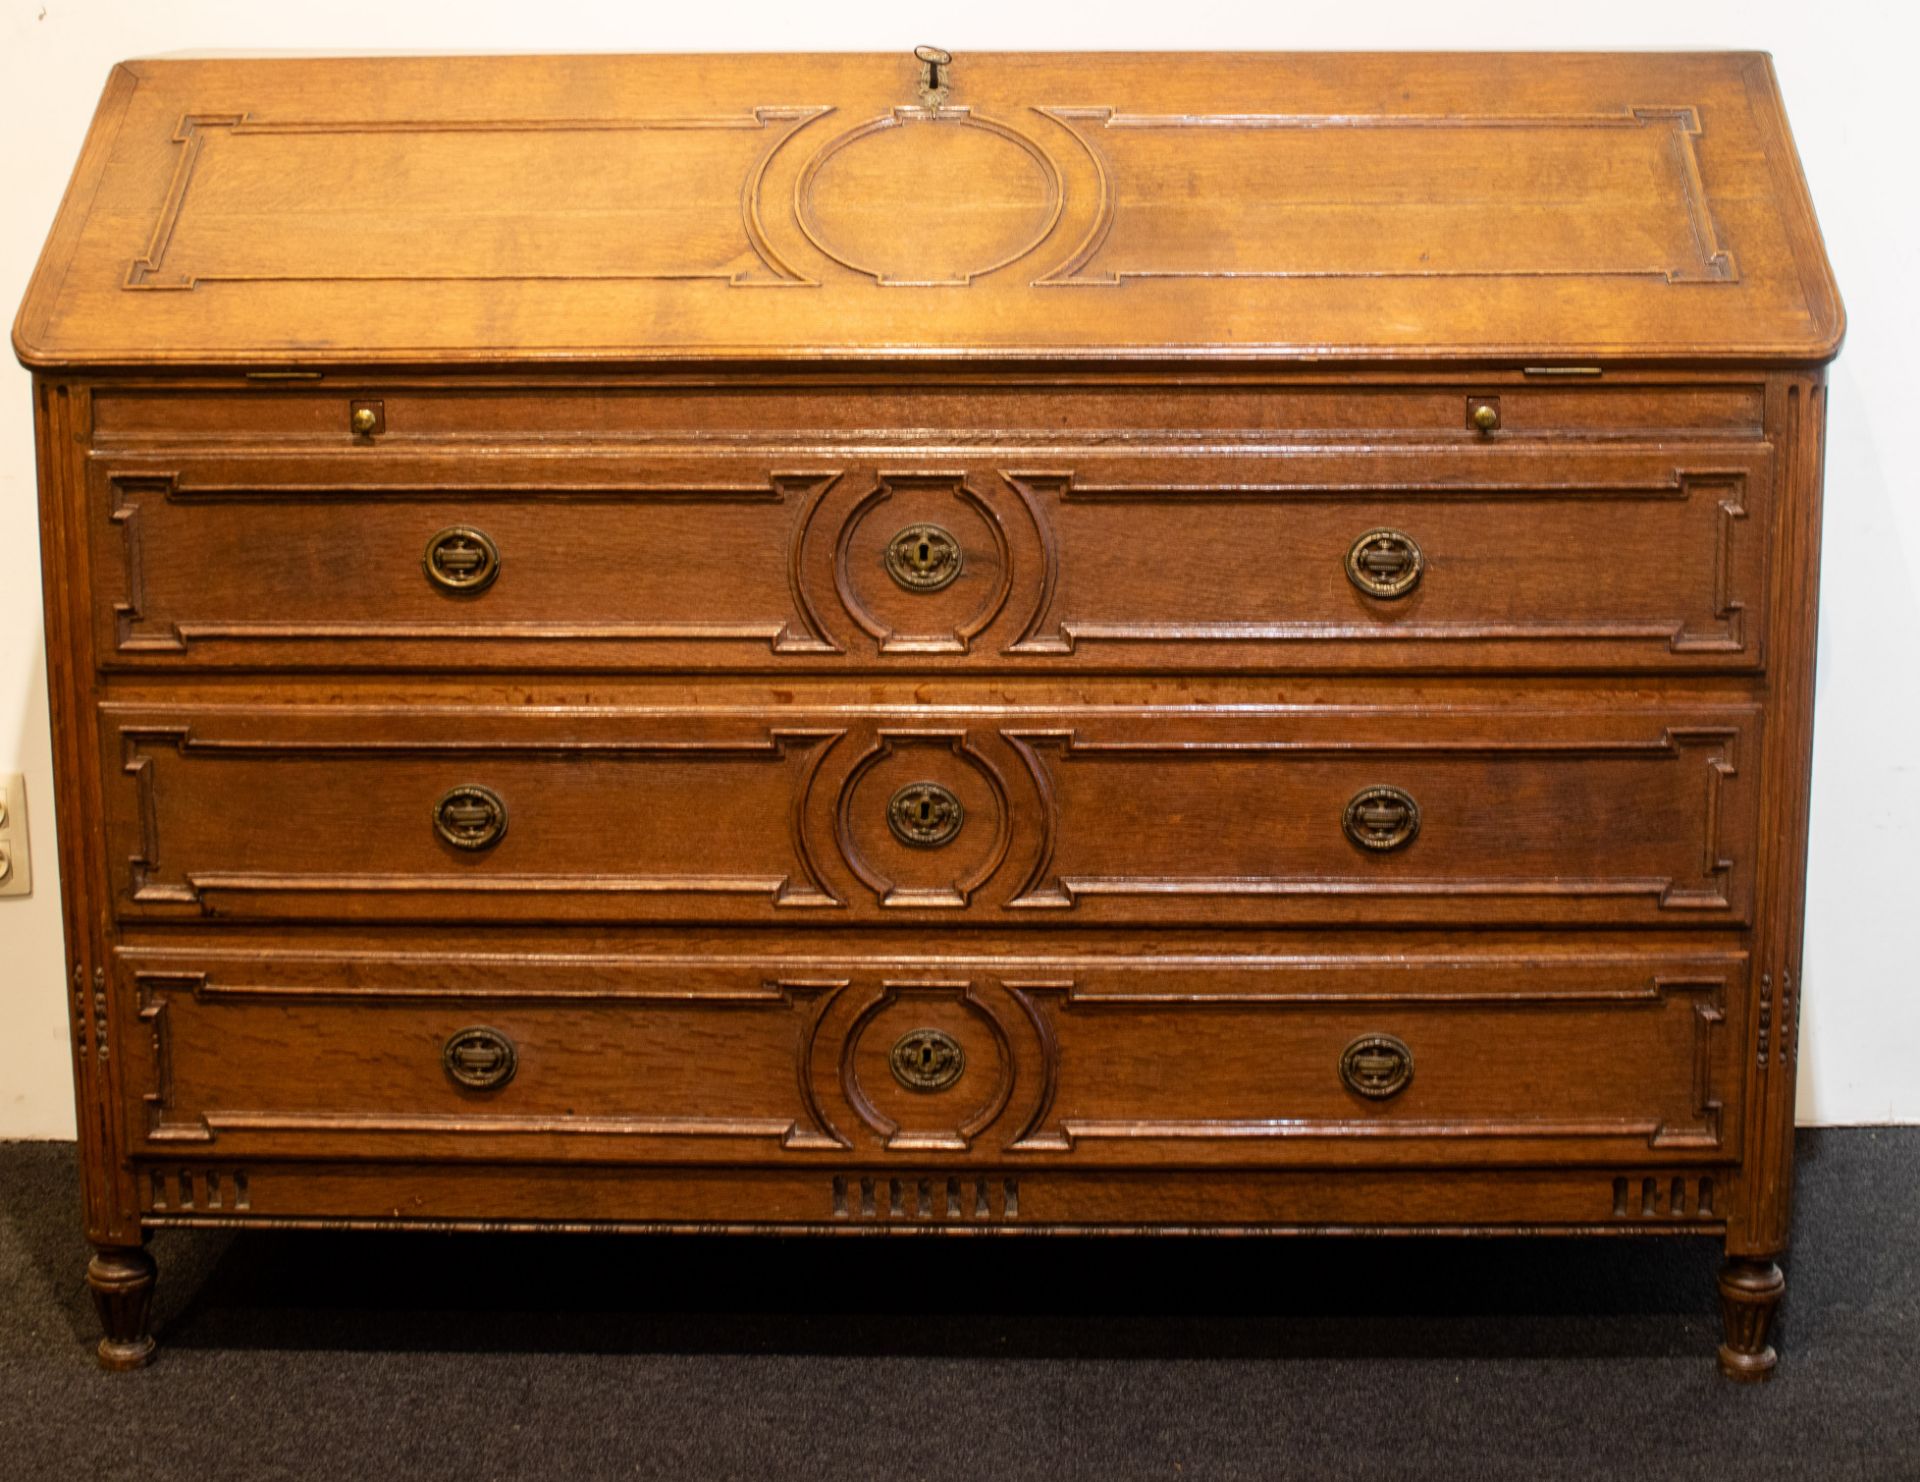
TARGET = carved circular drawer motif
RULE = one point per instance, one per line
(927, 1060)
(1385, 563)
(1377, 1066)
(461, 559)
(1382, 818)
(471, 817)
(925, 815)
(923, 558)
(479, 1058)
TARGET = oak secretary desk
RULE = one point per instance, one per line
(882, 643)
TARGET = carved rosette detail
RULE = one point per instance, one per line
(930, 1065)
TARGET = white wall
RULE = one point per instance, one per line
(1847, 72)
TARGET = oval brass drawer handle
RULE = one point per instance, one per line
(1385, 563)
(461, 559)
(1376, 1066)
(927, 1060)
(471, 817)
(925, 815)
(923, 558)
(479, 1058)
(1382, 818)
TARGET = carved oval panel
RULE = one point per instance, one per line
(947, 527)
(918, 198)
(922, 819)
(967, 1060)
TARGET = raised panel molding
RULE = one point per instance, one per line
(804, 1000)
(149, 885)
(765, 213)
(1712, 619)
(138, 632)
(1658, 141)
(1049, 1131)
(173, 260)
(1047, 887)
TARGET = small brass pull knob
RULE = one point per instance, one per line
(461, 559)
(364, 420)
(471, 817)
(927, 1060)
(479, 1058)
(1382, 818)
(1485, 415)
(1376, 1066)
(925, 815)
(923, 558)
(1385, 563)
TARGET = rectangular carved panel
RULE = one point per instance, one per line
(1525, 556)
(1521, 817)
(667, 193)
(1381, 195)
(336, 812)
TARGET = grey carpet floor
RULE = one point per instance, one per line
(475, 1358)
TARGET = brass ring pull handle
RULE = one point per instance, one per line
(471, 817)
(1382, 818)
(1376, 1066)
(925, 815)
(1385, 563)
(927, 1060)
(479, 1058)
(923, 558)
(461, 559)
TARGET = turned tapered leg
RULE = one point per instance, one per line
(122, 1281)
(1749, 1294)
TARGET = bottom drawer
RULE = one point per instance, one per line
(1269, 1059)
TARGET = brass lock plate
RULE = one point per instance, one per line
(924, 558)
(1377, 1066)
(927, 1060)
(925, 815)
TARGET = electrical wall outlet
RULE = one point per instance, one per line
(16, 870)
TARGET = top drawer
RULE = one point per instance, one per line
(1028, 556)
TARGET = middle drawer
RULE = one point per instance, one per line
(1627, 814)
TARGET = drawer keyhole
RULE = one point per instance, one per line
(925, 815)
(927, 1060)
(924, 558)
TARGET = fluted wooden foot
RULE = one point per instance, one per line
(121, 1278)
(1750, 1293)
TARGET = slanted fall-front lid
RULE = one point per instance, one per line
(1272, 207)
